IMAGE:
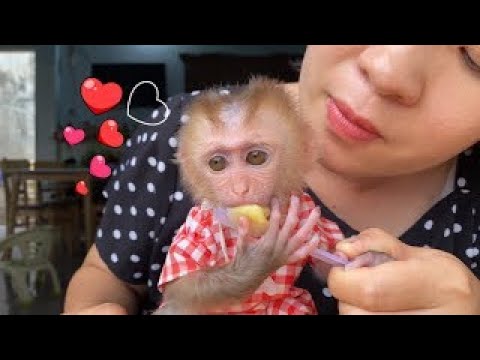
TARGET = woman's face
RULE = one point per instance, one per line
(390, 110)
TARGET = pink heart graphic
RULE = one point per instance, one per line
(98, 168)
(73, 136)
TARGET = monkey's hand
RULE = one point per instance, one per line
(279, 246)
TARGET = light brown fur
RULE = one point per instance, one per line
(260, 96)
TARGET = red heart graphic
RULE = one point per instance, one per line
(81, 188)
(109, 134)
(73, 136)
(98, 168)
(100, 98)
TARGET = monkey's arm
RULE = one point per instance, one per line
(214, 288)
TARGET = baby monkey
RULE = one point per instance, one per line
(242, 157)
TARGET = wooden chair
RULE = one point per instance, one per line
(31, 204)
(27, 210)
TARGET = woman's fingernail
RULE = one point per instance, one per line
(351, 239)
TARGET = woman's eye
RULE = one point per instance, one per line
(217, 163)
(470, 60)
(257, 157)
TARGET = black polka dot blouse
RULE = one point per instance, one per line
(146, 204)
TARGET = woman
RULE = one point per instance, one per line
(397, 128)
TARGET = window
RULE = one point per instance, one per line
(17, 104)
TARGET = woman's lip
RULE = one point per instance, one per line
(345, 122)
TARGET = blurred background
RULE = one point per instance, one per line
(45, 227)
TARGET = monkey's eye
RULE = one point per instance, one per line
(217, 163)
(257, 157)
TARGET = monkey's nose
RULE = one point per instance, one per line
(240, 188)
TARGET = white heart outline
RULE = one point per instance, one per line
(157, 98)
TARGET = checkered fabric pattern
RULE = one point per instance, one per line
(198, 245)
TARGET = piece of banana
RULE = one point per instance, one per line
(257, 216)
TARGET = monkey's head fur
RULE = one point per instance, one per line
(244, 147)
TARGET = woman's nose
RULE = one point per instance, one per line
(395, 71)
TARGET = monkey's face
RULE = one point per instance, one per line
(242, 167)
(243, 150)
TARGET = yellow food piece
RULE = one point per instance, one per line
(256, 215)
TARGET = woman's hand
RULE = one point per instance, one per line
(419, 281)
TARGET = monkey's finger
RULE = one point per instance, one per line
(304, 250)
(243, 227)
(270, 237)
(290, 222)
(303, 234)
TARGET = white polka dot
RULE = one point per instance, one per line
(161, 166)
(474, 211)
(165, 249)
(195, 93)
(326, 292)
(472, 252)
(224, 92)
(128, 143)
(151, 187)
(170, 198)
(465, 191)
(461, 182)
(173, 142)
(184, 119)
(133, 211)
(122, 167)
(155, 114)
(116, 185)
(151, 234)
(157, 240)
(139, 138)
(134, 160)
(149, 283)
(99, 233)
(154, 136)
(155, 267)
(152, 161)
(105, 194)
(454, 208)
(114, 258)
(446, 233)
(145, 137)
(457, 228)
(137, 275)
(117, 234)
(474, 237)
(114, 173)
(132, 235)
(131, 187)
(473, 265)
(127, 163)
(178, 196)
(134, 258)
(150, 212)
(117, 209)
(162, 220)
(428, 225)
